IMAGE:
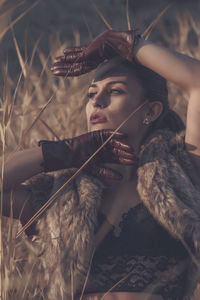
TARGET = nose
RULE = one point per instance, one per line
(100, 100)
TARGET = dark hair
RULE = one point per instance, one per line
(154, 89)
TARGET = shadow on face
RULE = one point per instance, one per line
(111, 100)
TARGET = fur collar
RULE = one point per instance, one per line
(66, 234)
(167, 186)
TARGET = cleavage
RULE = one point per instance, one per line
(118, 201)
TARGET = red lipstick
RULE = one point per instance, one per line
(97, 118)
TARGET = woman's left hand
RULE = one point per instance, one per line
(80, 60)
(74, 152)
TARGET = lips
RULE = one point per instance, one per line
(97, 118)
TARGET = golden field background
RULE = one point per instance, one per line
(35, 105)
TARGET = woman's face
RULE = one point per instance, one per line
(110, 102)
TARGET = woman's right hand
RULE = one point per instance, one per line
(73, 152)
(83, 59)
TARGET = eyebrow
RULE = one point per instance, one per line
(110, 83)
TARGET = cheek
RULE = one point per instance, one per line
(121, 111)
(87, 111)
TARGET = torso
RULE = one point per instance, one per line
(118, 201)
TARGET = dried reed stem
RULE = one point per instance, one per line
(146, 34)
(127, 16)
(17, 19)
(54, 196)
(102, 16)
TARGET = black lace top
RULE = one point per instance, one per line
(138, 256)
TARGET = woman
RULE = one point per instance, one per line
(138, 238)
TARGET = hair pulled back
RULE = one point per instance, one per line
(154, 89)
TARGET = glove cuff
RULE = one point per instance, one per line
(56, 155)
(136, 45)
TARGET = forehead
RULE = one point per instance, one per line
(124, 79)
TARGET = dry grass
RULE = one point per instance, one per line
(185, 39)
(39, 106)
(33, 107)
(26, 119)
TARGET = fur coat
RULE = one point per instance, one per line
(168, 186)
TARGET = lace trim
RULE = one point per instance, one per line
(138, 212)
(159, 275)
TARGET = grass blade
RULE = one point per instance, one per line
(127, 16)
(88, 27)
(37, 118)
(50, 129)
(102, 16)
(21, 61)
(149, 29)
(17, 19)
(12, 8)
(54, 196)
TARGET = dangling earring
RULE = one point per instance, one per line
(147, 121)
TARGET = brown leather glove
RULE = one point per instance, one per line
(79, 60)
(72, 153)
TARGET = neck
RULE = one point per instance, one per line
(136, 141)
(129, 174)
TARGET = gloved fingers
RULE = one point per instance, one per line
(115, 142)
(75, 69)
(118, 153)
(106, 133)
(75, 54)
(126, 161)
(76, 49)
(119, 156)
(62, 70)
(105, 173)
(59, 59)
(70, 58)
(75, 57)
(121, 145)
(86, 58)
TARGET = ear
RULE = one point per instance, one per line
(155, 110)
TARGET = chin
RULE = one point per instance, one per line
(99, 127)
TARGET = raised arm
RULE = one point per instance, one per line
(183, 71)
(180, 69)
(19, 167)
(56, 155)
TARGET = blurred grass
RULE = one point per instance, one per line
(35, 105)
